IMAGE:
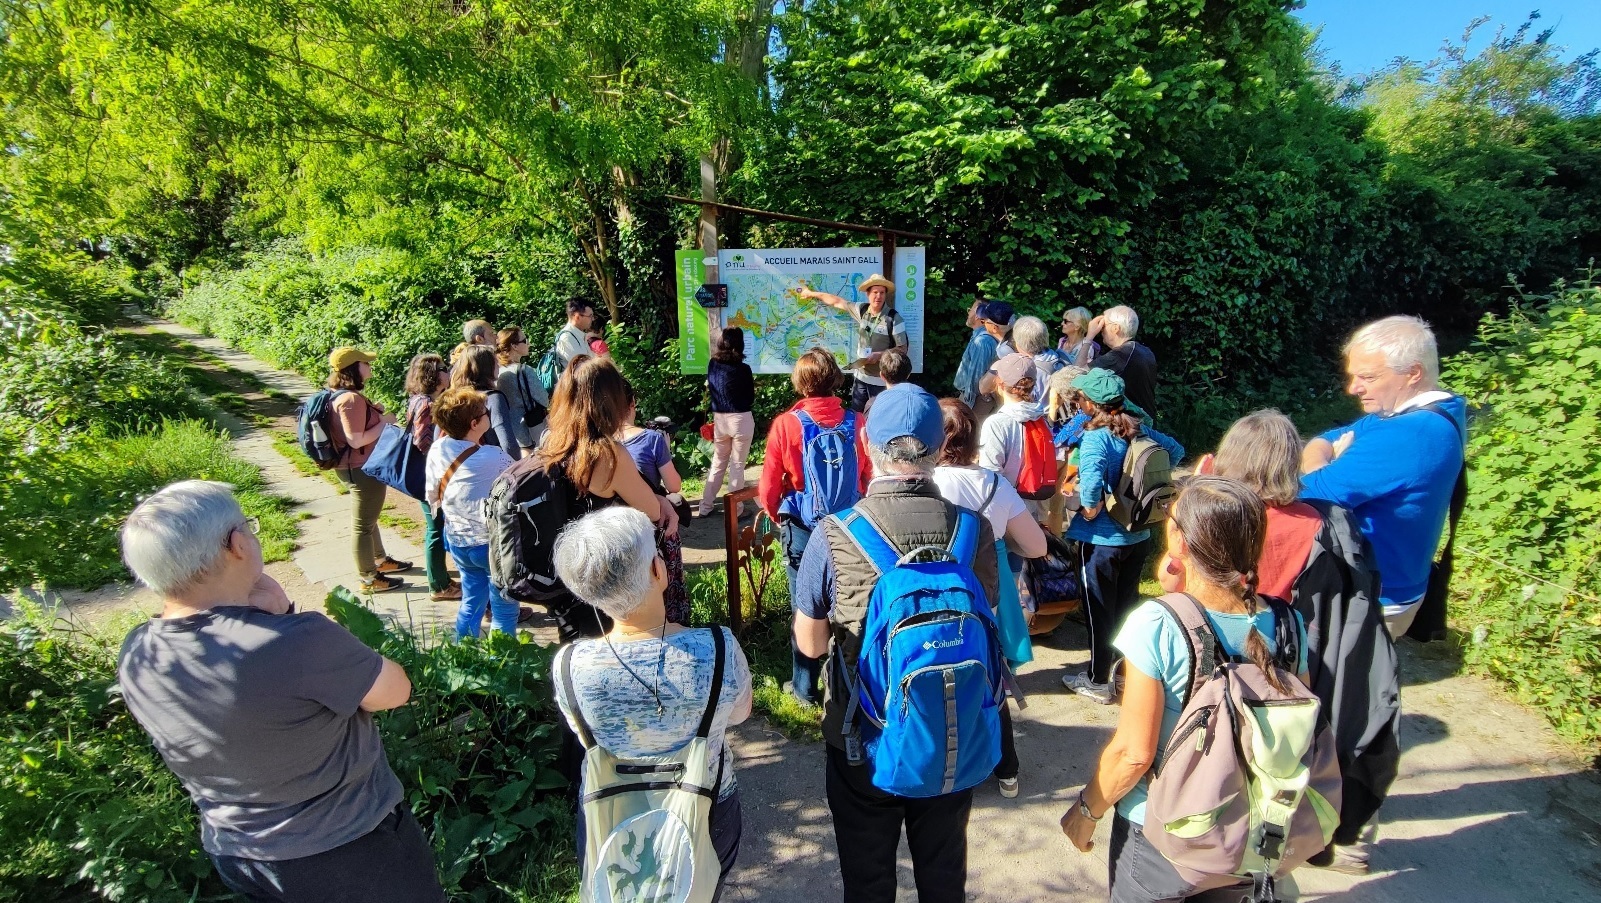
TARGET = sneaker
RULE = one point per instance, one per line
(451, 593)
(1081, 684)
(387, 565)
(1009, 788)
(381, 584)
(525, 614)
(1347, 860)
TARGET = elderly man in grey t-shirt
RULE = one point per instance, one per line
(265, 714)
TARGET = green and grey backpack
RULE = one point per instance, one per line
(647, 822)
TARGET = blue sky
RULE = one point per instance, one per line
(1363, 35)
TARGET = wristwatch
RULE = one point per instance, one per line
(1084, 808)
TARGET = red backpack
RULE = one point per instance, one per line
(1036, 479)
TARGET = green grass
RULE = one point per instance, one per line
(66, 505)
(765, 641)
(285, 443)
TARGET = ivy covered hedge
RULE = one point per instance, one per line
(1528, 573)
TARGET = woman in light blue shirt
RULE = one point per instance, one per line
(1214, 538)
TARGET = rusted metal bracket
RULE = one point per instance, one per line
(751, 551)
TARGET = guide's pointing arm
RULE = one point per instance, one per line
(833, 301)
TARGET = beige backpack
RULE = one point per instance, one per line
(1248, 785)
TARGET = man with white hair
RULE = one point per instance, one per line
(1127, 358)
(1397, 467)
(265, 715)
(905, 431)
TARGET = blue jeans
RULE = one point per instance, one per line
(477, 591)
(805, 672)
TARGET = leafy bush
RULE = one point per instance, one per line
(291, 308)
(69, 380)
(477, 750)
(1527, 575)
(85, 801)
(64, 501)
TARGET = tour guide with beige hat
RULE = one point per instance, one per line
(355, 425)
(878, 329)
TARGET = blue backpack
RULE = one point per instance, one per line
(313, 433)
(830, 469)
(931, 676)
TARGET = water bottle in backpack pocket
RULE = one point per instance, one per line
(829, 469)
(314, 428)
(924, 706)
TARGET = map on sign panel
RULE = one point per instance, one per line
(780, 326)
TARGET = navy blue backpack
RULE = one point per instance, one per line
(830, 469)
(931, 676)
(313, 433)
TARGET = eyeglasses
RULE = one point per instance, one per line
(253, 524)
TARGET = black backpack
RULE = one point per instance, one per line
(527, 507)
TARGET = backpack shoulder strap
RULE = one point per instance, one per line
(805, 421)
(868, 538)
(1198, 634)
(964, 537)
(564, 661)
(716, 695)
(989, 494)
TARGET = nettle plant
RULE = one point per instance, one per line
(1529, 572)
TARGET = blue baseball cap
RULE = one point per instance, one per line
(906, 410)
(995, 312)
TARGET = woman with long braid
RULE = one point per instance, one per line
(1214, 540)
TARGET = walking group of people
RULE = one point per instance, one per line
(907, 524)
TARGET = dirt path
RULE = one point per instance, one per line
(1491, 806)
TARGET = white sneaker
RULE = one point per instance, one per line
(1009, 788)
(1081, 684)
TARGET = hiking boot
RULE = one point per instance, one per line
(525, 614)
(381, 584)
(1009, 788)
(451, 593)
(387, 565)
(1081, 684)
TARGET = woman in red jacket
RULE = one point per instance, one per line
(783, 490)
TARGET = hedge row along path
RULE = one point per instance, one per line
(1490, 806)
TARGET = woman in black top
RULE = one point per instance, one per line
(476, 369)
(733, 390)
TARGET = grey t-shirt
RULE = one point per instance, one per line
(259, 716)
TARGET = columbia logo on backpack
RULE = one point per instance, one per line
(931, 677)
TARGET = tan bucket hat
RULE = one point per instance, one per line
(876, 280)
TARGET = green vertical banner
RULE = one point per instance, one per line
(694, 327)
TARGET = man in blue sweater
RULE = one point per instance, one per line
(1395, 468)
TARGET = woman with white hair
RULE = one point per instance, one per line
(642, 689)
(1032, 337)
(265, 714)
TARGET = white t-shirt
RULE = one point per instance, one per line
(468, 487)
(967, 487)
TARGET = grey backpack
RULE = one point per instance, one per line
(1145, 491)
(1248, 785)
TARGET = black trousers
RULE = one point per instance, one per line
(392, 863)
(1008, 767)
(867, 830)
(1111, 590)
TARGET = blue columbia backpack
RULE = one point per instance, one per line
(931, 677)
(313, 433)
(829, 467)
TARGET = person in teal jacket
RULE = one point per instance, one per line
(1396, 467)
(1113, 558)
